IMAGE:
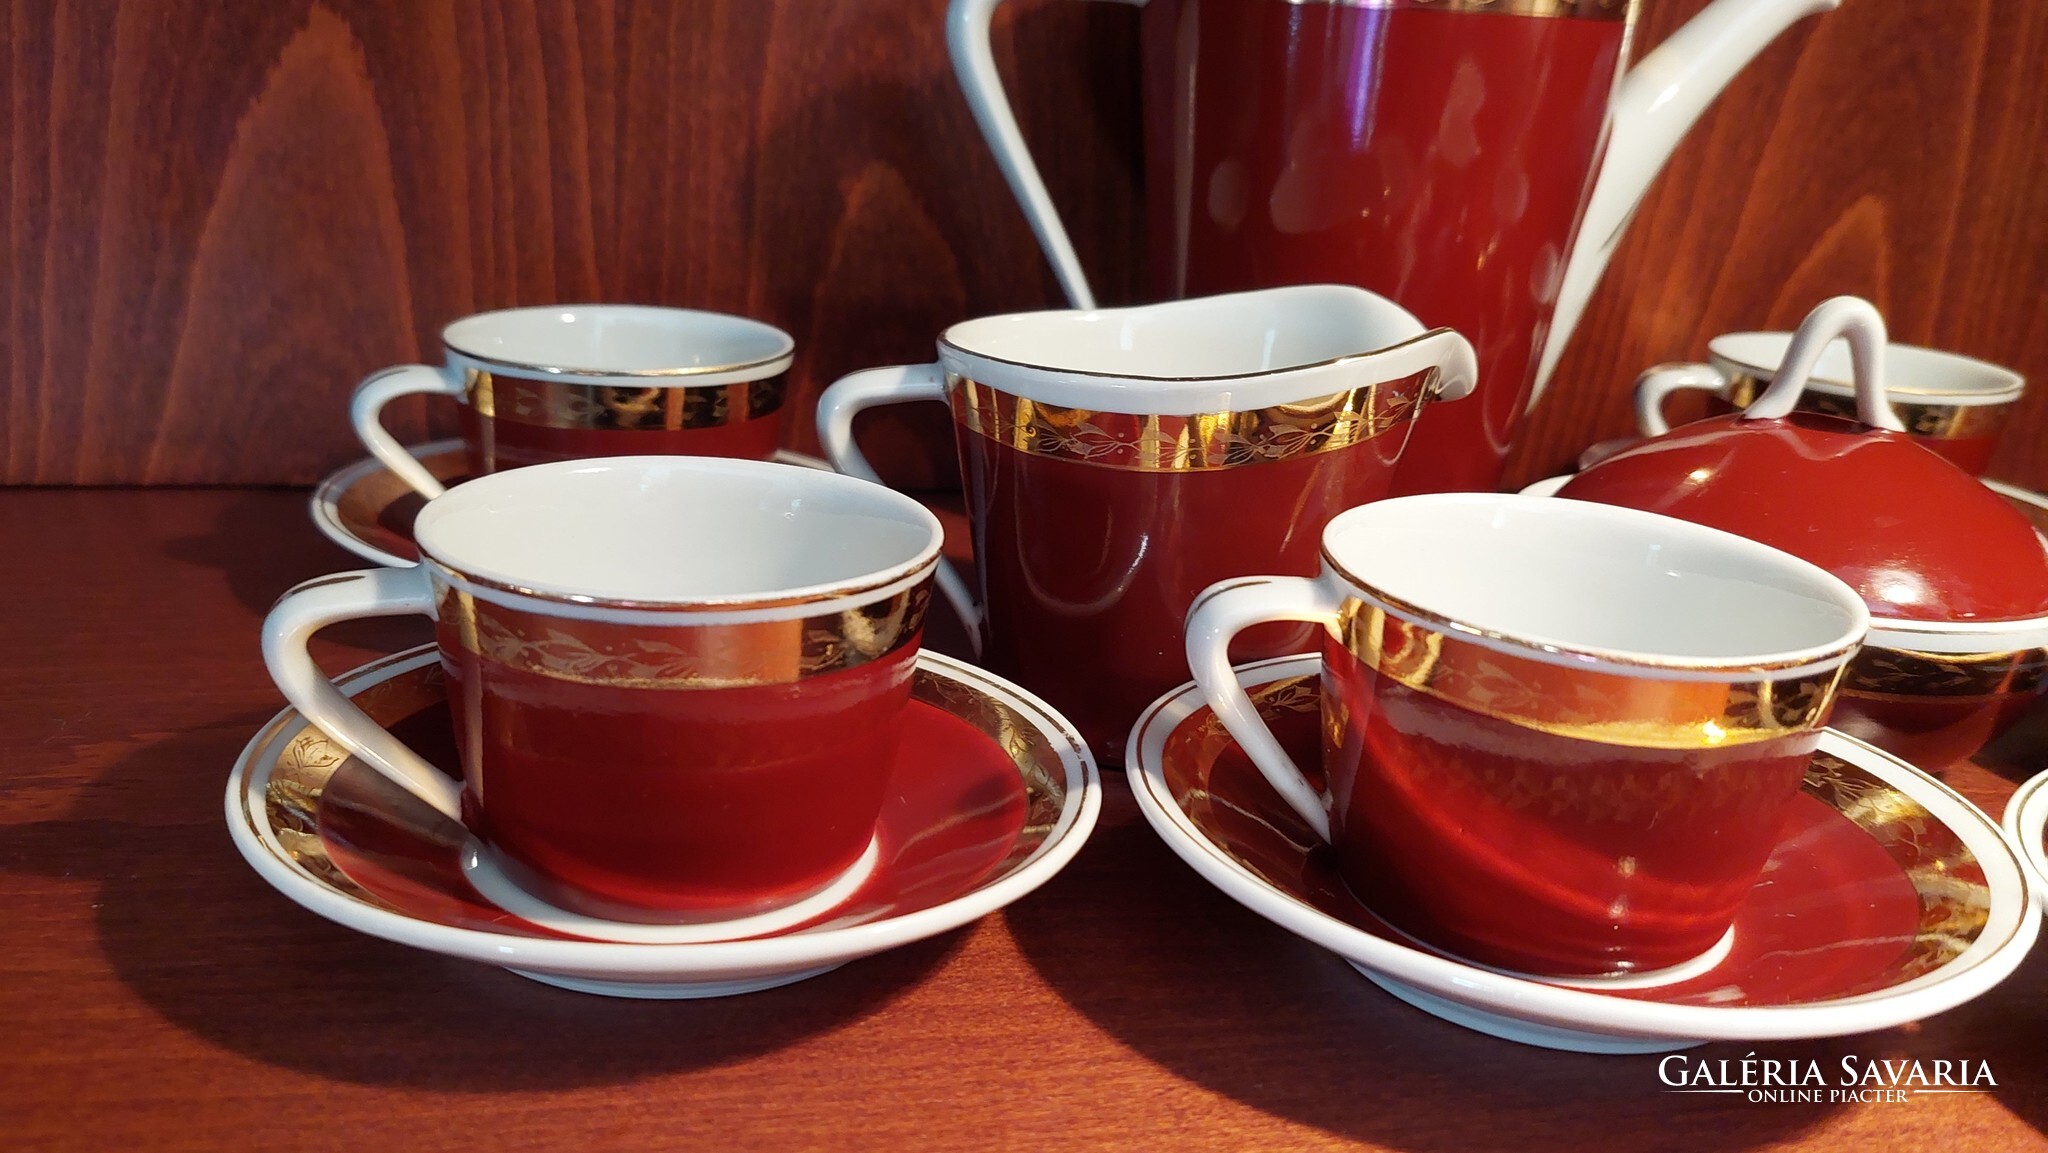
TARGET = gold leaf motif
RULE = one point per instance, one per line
(685, 656)
(571, 405)
(1155, 443)
(1900, 672)
(1587, 704)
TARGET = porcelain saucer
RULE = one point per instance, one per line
(1890, 899)
(367, 510)
(992, 794)
(2026, 822)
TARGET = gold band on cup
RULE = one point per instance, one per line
(1930, 419)
(1190, 443)
(1588, 704)
(1879, 673)
(684, 655)
(628, 408)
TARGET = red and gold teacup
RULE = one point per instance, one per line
(676, 681)
(573, 381)
(1118, 461)
(1558, 737)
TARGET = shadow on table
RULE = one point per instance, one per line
(1234, 1004)
(200, 938)
(2017, 753)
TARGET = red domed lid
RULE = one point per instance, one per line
(1920, 538)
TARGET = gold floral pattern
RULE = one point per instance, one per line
(1955, 899)
(566, 404)
(1586, 704)
(684, 655)
(1027, 744)
(1888, 672)
(297, 778)
(1147, 443)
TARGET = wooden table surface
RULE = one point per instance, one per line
(154, 993)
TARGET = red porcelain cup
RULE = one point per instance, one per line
(573, 381)
(676, 681)
(1558, 737)
(1119, 461)
(1955, 405)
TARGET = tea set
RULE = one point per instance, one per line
(1637, 759)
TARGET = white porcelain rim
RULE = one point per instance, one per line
(704, 376)
(2026, 822)
(2009, 931)
(325, 503)
(1405, 355)
(708, 961)
(1620, 662)
(2008, 388)
(818, 599)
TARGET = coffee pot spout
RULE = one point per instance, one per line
(1654, 106)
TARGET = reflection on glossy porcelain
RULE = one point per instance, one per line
(1891, 898)
(683, 654)
(994, 797)
(641, 407)
(1154, 442)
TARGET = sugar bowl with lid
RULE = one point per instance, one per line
(1955, 578)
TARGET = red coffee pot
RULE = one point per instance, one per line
(1956, 578)
(1473, 160)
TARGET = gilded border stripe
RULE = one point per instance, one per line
(1194, 442)
(630, 408)
(1932, 419)
(1586, 704)
(685, 655)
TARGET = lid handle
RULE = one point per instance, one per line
(1844, 317)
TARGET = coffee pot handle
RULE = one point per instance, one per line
(312, 606)
(1660, 383)
(1221, 612)
(837, 407)
(967, 24)
(366, 408)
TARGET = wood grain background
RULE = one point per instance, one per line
(219, 217)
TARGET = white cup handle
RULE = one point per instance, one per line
(1658, 385)
(323, 601)
(366, 408)
(1221, 612)
(975, 65)
(837, 407)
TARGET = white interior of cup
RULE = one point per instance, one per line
(672, 530)
(1573, 581)
(1216, 336)
(617, 340)
(1918, 374)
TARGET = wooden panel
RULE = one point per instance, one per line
(220, 217)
